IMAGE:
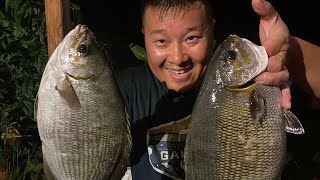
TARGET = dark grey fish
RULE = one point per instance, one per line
(238, 128)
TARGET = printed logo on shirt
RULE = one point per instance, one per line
(166, 148)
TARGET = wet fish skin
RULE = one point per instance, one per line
(238, 128)
(80, 115)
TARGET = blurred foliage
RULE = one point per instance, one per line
(23, 56)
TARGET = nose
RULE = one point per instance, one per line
(177, 54)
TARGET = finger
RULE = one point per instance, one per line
(286, 96)
(273, 78)
(264, 9)
(273, 31)
(277, 62)
(278, 42)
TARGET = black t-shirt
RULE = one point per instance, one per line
(159, 120)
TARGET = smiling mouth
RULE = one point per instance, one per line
(179, 72)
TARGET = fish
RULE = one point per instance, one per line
(238, 127)
(81, 117)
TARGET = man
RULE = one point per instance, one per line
(159, 97)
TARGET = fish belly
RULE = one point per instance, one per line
(224, 142)
(82, 142)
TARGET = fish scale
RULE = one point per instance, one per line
(73, 136)
(237, 128)
(237, 159)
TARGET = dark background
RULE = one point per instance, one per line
(122, 18)
(119, 24)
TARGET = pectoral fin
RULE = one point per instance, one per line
(292, 123)
(257, 106)
(67, 93)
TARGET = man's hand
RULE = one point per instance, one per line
(274, 36)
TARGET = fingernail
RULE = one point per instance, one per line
(286, 105)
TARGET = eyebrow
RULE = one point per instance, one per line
(195, 28)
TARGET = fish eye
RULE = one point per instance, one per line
(83, 48)
(231, 55)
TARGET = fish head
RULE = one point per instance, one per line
(238, 61)
(80, 55)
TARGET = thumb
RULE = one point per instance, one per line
(264, 9)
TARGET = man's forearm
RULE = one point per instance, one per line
(304, 65)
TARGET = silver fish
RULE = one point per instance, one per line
(80, 114)
(238, 128)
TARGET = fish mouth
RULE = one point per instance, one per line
(81, 30)
(84, 34)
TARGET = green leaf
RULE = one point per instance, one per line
(6, 57)
(3, 44)
(74, 7)
(38, 167)
(7, 4)
(2, 16)
(28, 108)
(139, 52)
(12, 107)
(5, 23)
(18, 32)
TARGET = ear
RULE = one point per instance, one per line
(142, 30)
(213, 22)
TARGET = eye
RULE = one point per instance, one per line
(231, 55)
(193, 38)
(160, 42)
(83, 48)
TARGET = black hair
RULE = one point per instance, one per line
(166, 5)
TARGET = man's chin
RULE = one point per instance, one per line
(180, 88)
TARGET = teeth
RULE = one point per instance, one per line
(178, 72)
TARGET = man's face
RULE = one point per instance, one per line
(179, 45)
